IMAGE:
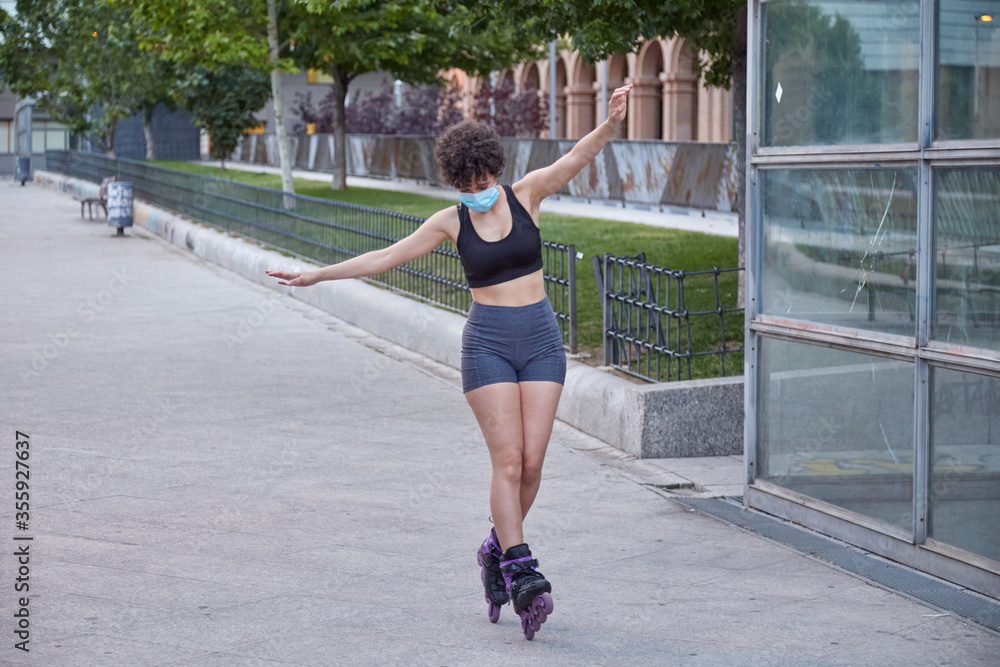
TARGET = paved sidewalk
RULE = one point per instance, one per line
(221, 476)
(719, 223)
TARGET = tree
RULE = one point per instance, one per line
(413, 39)
(213, 34)
(81, 61)
(223, 102)
(162, 88)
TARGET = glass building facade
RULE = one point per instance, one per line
(873, 264)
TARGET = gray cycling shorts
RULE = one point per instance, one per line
(512, 344)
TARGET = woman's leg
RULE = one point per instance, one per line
(498, 410)
(539, 401)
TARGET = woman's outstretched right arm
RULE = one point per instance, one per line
(432, 233)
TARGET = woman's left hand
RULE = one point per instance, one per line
(619, 103)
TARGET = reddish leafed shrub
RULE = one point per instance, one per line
(425, 110)
(524, 114)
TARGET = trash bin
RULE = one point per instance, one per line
(22, 169)
(120, 205)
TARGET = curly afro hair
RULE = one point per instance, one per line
(466, 151)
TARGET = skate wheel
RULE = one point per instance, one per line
(529, 631)
(536, 623)
(494, 612)
(547, 604)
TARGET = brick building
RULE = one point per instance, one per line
(668, 100)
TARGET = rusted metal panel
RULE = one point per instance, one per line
(413, 158)
(360, 149)
(643, 168)
(694, 175)
(729, 181)
(259, 150)
(653, 173)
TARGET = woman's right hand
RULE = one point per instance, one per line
(295, 278)
(619, 103)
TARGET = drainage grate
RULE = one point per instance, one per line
(898, 578)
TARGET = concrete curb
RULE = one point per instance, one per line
(668, 420)
(678, 419)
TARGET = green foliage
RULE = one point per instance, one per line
(224, 101)
(209, 33)
(82, 61)
(600, 28)
(413, 39)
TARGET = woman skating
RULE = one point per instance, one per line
(513, 363)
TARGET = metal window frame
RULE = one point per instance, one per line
(927, 154)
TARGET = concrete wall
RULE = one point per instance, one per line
(646, 173)
(696, 418)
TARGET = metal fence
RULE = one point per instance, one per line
(661, 324)
(321, 230)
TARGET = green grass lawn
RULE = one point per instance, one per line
(688, 251)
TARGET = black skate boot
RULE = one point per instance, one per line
(488, 558)
(528, 589)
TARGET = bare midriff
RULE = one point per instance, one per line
(521, 291)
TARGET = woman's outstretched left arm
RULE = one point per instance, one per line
(547, 181)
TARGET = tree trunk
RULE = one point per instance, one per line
(739, 58)
(109, 136)
(147, 130)
(284, 157)
(340, 81)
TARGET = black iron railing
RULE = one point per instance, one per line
(662, 325)
(321, 230)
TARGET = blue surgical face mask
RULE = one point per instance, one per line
(480, 202)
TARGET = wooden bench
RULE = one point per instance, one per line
(101, 199)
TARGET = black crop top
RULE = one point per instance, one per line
(492, 262)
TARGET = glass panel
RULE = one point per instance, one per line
(55, 139)
(965, 461)
(967, 256)
(37, 140)
(840, 247)
(5, 139)
(969, 69)
(838, 426)
(840, 72)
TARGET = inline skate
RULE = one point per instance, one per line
(529, 592)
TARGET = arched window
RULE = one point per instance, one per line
(529, 77)
(647, 91)
(560, 98)
(680, 95)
